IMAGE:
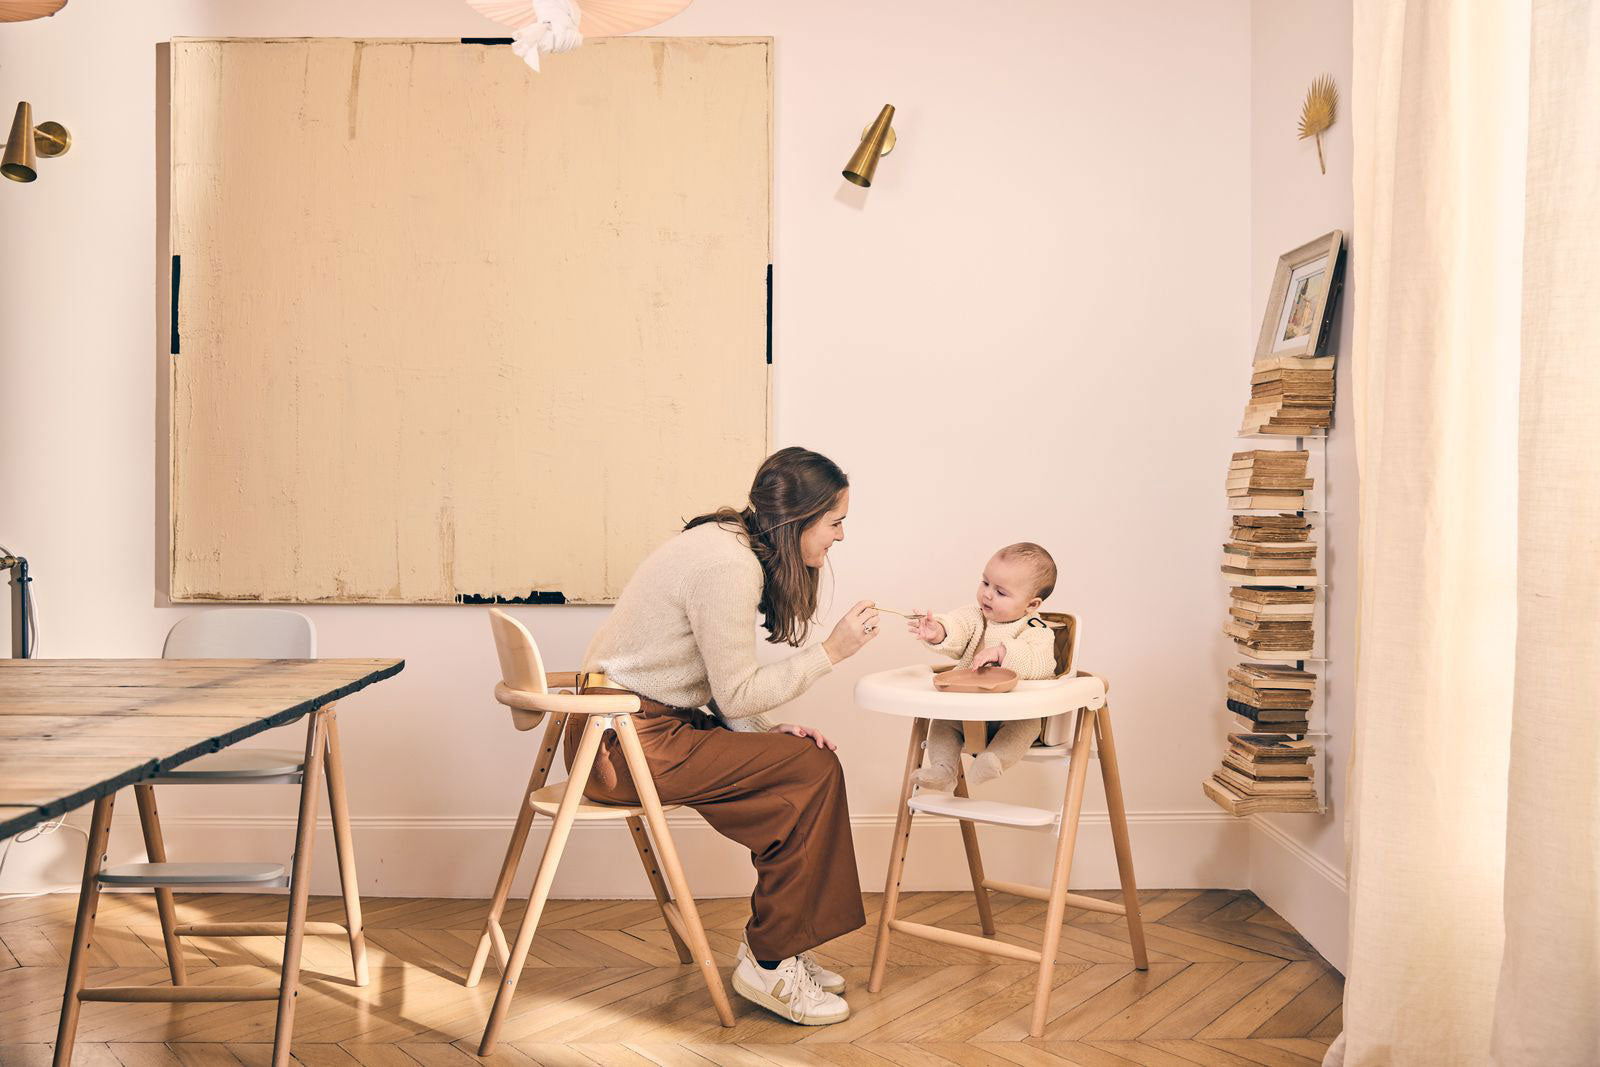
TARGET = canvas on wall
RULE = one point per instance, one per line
(447, 329)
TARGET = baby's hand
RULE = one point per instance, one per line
(924, 627)
(993, 656)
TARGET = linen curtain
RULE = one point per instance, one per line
(1475, 827)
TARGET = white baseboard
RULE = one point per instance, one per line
(460, 857)
(1309, 892)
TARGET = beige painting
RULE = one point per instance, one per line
(448, 329)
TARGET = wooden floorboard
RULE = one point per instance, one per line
(1230, 983)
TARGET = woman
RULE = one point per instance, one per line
(681, 637)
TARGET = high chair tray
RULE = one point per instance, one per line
(909, 691)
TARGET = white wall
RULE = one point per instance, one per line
(1297, 861)
(1049, 295)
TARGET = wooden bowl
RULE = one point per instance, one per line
(986, 680)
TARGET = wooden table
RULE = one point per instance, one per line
(76, 731)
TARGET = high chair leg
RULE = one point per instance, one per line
(1119, 834)
(156, 850)
(493, 935)
(344, 847)
(1071, 809)
(582, 763)
(652, 871)
(969, 839)
(83, 929)
(693, 932)
(897, 856)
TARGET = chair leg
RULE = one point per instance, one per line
(299, 887)
(493, 936)
(94, 857)
(344, 848)
(582, 763)
(1062, 871)
(644, 784)
(897, 856)
(652, 871)
(1119, 834)
(145, 796)
(969, 839)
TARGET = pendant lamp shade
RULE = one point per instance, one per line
(599, 18)
(25, 10)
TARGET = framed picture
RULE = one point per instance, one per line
(1304, 299)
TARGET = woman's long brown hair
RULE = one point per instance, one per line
(793, 488)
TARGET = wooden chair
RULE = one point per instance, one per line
(1074, 695)
(233, 633)
(525, 689)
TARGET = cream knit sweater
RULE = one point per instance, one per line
(684, 632)
(1030, 646)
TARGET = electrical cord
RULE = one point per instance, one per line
(42, 830)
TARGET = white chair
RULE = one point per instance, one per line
(243, 633)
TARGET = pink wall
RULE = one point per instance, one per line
(1297, 861)
(1050, 293)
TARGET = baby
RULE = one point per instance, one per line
(1003, 629)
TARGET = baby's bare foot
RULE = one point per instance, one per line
(986, 768)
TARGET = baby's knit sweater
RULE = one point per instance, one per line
(1030, 644)
(684, 632)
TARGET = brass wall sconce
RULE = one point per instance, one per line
(48, 139)
(877, 140)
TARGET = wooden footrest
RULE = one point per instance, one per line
(255, 929)
(151, 875)
(985, 811)
(960, 940)
(179, 994)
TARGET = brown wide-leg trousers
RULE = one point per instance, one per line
(778, 795)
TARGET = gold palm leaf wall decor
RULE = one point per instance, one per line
(1317, 113)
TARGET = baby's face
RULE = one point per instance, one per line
(1005, 592)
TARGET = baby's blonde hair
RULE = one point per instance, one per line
(1044, 567)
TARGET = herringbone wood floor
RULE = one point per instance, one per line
(1229, 983)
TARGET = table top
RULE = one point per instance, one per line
(72, 731)
(909, 691)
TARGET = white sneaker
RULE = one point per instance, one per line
(829, 981)
(789, 992)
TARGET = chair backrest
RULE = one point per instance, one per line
(1065, 626)
(242, 633)
(521, 666)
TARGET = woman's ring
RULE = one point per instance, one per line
(869, 627)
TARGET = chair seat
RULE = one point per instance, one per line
(546, 800)
(237, 764)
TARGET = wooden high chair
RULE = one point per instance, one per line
(909, 691)
(524, 688)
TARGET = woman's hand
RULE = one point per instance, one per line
(859, 625)
(804, 731)
(993, 656)
(924, 627)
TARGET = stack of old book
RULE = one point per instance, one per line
(1272, 624)
(1270, 697)
(1268, 478)
(1268, 547)
(1290, 396)
(1264, 772)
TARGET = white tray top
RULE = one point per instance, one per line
(909, 691)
